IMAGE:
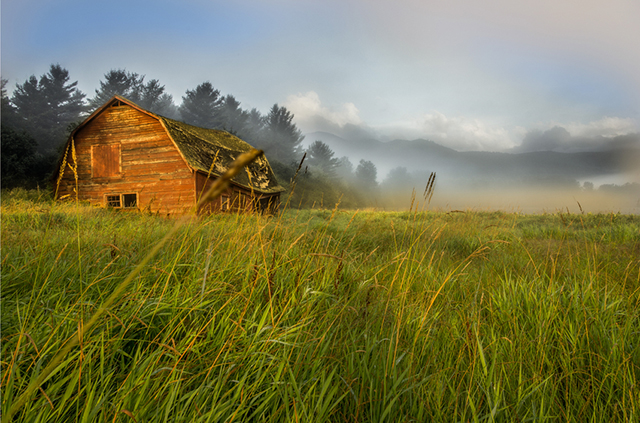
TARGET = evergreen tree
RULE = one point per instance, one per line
(365, 176)
(65, 102)
(118, 82)
(320, 156)
(18, 158)
(150, 96)
(234, 119)
(29, 105)
(344, 169)
(202, 106)
(47, 107)
(281, 140)
(8, 112)
(398, 178)
(166, 107)
(253, 129)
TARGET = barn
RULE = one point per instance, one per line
(125, 157)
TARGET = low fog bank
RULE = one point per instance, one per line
(553, 176)
(531, 200)
(534, 188)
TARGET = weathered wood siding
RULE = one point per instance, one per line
(237, 199)
(125, 151)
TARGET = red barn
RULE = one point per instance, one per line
(123, 156)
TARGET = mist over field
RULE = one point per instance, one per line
(546, 173)
(535, 200)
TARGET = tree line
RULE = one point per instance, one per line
(41, 112)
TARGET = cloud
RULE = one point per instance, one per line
(605, 127)
(550, 140)
(459, 133)
(312, 116)
(465, 134)
(307, 108)
(587, 137)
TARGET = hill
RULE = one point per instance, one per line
(424, 156)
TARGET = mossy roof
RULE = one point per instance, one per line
(212, 150)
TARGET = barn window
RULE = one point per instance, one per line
(224, 205)
(105, 160)
(113, 201)
(127, 201)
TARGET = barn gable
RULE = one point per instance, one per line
(125, 156)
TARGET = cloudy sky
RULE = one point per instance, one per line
(469, 74)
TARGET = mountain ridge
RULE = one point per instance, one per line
(422, 155)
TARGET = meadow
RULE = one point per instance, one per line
(320, 315)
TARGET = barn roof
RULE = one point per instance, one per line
(210, 151)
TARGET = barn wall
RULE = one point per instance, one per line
(150, 164)
(237, 198)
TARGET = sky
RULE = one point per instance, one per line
(488, 75)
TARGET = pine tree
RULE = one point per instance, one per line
(46, 108)
(29, 104)
(253, 130)
(202, 106)
(166, 107)
(8, 112)
(281, 140)
(65, 102)
(234, 119)
(118, 82)
(344, 169)
(150, 96)
(18, 158)
(365, 176)
(398, 178)
(322, 157)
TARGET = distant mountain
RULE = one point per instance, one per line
(344, 147)
(423, 156)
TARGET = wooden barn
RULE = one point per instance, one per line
(125, 157)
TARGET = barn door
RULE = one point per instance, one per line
(105, 160)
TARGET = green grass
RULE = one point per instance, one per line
(320, 315)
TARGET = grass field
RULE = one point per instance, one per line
(320, 315)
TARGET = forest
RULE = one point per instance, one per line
(39, 115)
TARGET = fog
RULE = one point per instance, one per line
(530, 200)
(549, 171)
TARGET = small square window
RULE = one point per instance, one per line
(127, 201)
(130, 200)
(113, 200)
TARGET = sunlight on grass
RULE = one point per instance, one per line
(322, 315)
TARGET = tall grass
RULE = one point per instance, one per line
(322, 315)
